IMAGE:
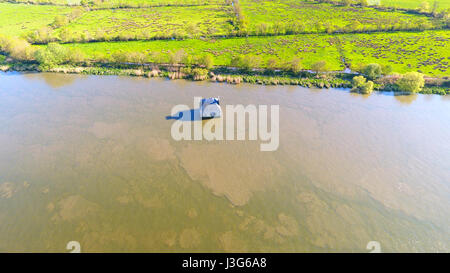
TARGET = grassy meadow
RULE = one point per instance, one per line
(266, 16)
(308, 48)
(153, 22)
(413, 4)
(18, 19)
(424, 52)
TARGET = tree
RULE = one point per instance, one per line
(75, 13)
(192, 30)
(60, 21)
(386, 69)
(188, 60)
(211, 30)
(354, 26)
(347, 2)
(295, 65)
(246, 62)
(76, 56)
(101, 35)
(207, 61)
(319, 66)
(119, 57)
(367, 88)
(435, 8)
(361, 85)
(199, 73)
(424, 7)
(18, 49)
(446, 15)
(137, 58)
(372, 71)
(176, 57)
(262, 29)
(411, 82)
(41, 35)
(272, 64)
(157, 57)
(363, 3)
(66, 35)
(51, 56)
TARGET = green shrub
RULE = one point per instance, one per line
(360, 85)
(207, 61)
(319, 66)
(76, 56)
(199, 72)
(60, 21)
(18, 49)
(272, 63)
(386, 69)
(246, 62)
(372, 71)
(295, 65)
(411, 82)
(424, 7)
(176, 57)
(51, 56)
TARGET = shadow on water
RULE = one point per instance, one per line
(188, 115)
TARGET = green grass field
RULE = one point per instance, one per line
(308, 48)
(413, 4)
(17, 19)
(426, 52)
(319, 17)
(154, 22)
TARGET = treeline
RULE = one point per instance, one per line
(58, 31)
(64, 34)
(55, 54)
(265, 29)
(49, 56)
(17, 49)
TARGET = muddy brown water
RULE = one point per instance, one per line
(91, 159)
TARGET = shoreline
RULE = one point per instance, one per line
(305, 79)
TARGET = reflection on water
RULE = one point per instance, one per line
(407, 99)
(95, 163)
(53, 80)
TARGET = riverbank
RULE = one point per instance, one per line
(309, 79)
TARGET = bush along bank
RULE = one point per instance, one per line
(411, 82)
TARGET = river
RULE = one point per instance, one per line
(91, 159)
